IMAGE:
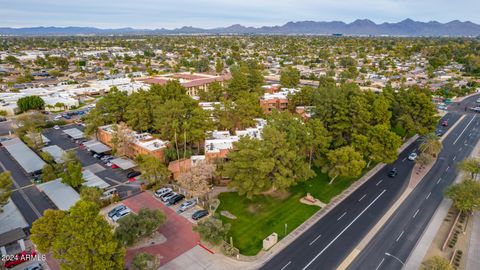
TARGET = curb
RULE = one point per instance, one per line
(292, 236)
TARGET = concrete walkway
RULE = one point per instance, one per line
(418, 253)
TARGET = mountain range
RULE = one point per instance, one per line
(364, 27)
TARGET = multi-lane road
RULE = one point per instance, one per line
(328, 242)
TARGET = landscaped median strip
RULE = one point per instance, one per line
(364, 242)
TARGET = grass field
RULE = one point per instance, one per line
(260, 216)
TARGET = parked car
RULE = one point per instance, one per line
(187, 205)
(115, 210)
(133, 174)
(20, 258)
(66, 116)
(107, 194)
(412, 156)
(199, 214)
(175, 199)
(168, 196)
(478, 100)
(445, 123)
(35, 266)
(3, 119)
(56, 127)
(162, 191)
(121, 214)
(58, 117)
(393, 172)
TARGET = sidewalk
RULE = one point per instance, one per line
(254, 262)
(418, 253)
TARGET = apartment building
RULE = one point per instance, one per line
(193, 82)
(135, 143)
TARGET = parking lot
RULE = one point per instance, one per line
(177, 230)
(115, 177)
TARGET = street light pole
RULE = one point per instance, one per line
(395, 257)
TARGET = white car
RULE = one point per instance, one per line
(58, 117)
(121, 214)
(187, 205)
(56, 127)
(171, 195)
(160, 192)
(412, 156)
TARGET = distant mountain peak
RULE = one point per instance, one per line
(407, 27)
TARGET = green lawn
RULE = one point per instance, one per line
(259, 217)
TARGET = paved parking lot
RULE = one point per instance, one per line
(177, 230)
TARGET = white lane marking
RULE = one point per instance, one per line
(362, 197)
(289, 262)
(403, 160)
(464, 130)
(378, 183)
(428, 196)
(341, 216)
(460, 150)
(439, 179)
(380, 264)
(400, 236)
(454, 157)
(344, 229)
(315, 239)
(416, 212)
(448, 167)
(469, 134)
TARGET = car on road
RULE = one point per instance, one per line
(187, 205)
(162, 191)
(121, 214)
(445, 123)
(20, 258)
(3, 119)
(133, 174)
(393, 172)
(175, 199)
(478, 100)
(412, 156)
(439, 132)
(475, 109)
(168, 196)
(35, 266)
(199, 214)
(56, 127)
(115, 210)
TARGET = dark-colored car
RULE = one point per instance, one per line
(175, 199)
(199, 214)
(133, 174)
(393, 172)
(439, 132)
(3, 119)
(115, 210)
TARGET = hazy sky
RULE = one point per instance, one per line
(216, 13)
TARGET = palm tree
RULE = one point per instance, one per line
(431, 145)
(471, 166)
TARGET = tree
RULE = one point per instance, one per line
(139, 112)
(465, 195)
(135, 227)
(144, 261)
(121, 139)
(48, 173)
(290, 77)
(72, 174)
(344, 161)
(382, 145)
(31, 122)
(471, 166)
(91, 194)
(249, 157)
(436, 263)
(424, 159)
(238, 114)
(219, 66)
(6, 184)
(430, 145)
(212, 230)
(317, 140)
(153, 170)
(415, 111)
(214, 92)
(198, 179)
(30, 103)
(79, 238)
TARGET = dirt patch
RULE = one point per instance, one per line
(280, 195)
(228, 215)
(255, 208)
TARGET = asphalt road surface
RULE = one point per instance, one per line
(399, 235)
(331, 239)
